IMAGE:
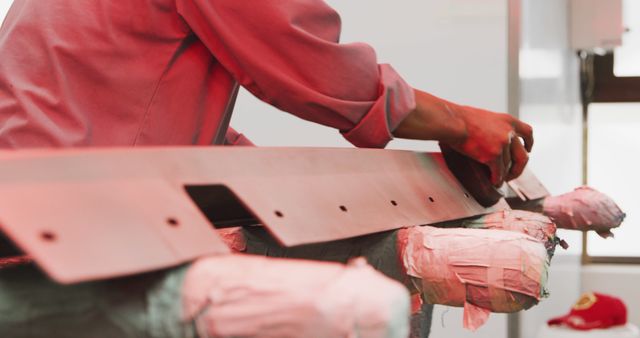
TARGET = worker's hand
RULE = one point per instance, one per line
(533, 224)
(490, 138)
(495, 140)
(584, 209)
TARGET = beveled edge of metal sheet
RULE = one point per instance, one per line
(87, 214)
(528, 187)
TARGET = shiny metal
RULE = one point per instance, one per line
(89, 214)
(528, 187)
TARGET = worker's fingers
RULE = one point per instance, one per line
(506, 157)
(526, 132)
(497, 169)
(519, 157)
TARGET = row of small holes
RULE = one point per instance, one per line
(344, 209)
(49, 236)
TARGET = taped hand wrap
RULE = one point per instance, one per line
(533, 224)
(584, 209)
(481, 270)
(251, 297)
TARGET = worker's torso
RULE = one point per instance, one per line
(104, 72)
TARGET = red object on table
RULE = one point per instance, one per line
(594, 311)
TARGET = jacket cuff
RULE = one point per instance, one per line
(233, 138)
(396, 101)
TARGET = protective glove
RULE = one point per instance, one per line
(584, 209)
(245, 296)
(533, 224)
(481, 270)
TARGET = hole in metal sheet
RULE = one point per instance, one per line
(48, 236)
(279, 213)
(343, 208)
(222, 207)
(431, 199)
(172, 222)
(394, 203)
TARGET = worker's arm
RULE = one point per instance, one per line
(287, 54)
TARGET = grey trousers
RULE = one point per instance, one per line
(147, 305)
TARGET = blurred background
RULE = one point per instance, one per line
(570, 68)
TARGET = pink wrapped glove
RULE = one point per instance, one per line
(533, 224)
(584, 209)
(481, 270)
(247, 296)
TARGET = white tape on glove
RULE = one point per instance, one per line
(244, 296)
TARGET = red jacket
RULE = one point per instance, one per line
(162, 72)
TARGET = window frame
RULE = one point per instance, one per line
(608, 88)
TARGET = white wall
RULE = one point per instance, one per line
(626, 57)
(550, 94)
(447, 323)
(4, 7)
(550, 103)
(614, 141)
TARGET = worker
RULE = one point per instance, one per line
(165, 72)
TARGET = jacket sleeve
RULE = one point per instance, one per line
(234, 138)
(287, 53)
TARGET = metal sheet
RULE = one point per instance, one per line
(527, 187)
(87, 214)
